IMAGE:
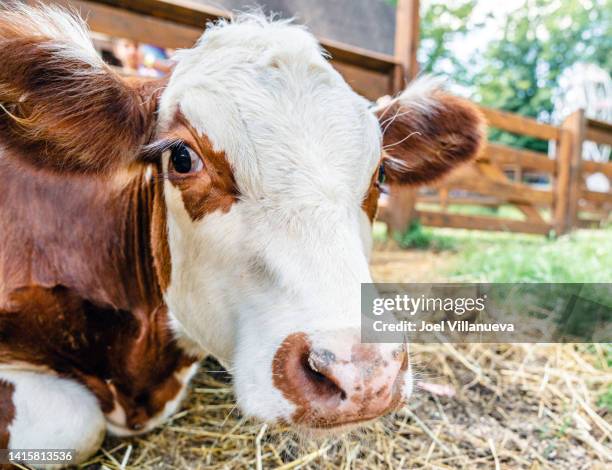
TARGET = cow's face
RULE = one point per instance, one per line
(270, 190)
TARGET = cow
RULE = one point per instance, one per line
(224, 210)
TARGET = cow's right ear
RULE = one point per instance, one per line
(61, 106)
(427, 132)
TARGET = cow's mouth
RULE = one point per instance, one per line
(313, 422)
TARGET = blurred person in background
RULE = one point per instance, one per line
(127, 53)
(141, 59)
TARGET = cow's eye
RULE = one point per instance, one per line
(184, 159)
(381, 175)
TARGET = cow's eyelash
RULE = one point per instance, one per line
(152, 152)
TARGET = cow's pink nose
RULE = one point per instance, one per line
(338, 381)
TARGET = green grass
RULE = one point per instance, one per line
(583, 256)
(605, 399)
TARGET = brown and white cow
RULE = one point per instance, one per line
(225, 211)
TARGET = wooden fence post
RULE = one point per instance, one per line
(407, 39)
(402, 199)
(568, 172)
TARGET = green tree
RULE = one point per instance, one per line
(518, 71)
(442, 23)
(540, 39)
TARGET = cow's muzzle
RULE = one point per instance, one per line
(334, 380)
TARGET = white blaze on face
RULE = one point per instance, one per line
(290, 254)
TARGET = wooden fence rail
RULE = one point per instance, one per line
(179, 23)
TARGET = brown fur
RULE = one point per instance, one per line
(80, 291)
(424, 143)
(370, 202)
(48, 99)
(7, 412)
(84, 255)
(159, 237)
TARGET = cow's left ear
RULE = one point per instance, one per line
(427, 132)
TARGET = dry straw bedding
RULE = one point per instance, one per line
(515, 406)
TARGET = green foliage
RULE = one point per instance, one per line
(540, 39)
(416, 236)
(442, 23)
(519, 70)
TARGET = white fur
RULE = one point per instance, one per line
(53, 413)
(418, 95)
(290, 255)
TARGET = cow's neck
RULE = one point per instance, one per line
(99, 237)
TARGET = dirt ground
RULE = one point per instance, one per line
(497, 406)
(389, 263)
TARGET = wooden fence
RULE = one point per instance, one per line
(559, 203)
(179, 23)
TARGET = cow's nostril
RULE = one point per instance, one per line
(323, 384)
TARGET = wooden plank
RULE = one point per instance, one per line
(569, 159)
(443, 194)
(505, 155)
(598, 131)
(511, 192)
(494, 173)
(575, 124)
(152, 30)
(357, 56)
(597, 197)
(474, 222)
(125, 24)
(597, 167)
(407, 37)
(531, 213)
(598, 136)
(519, 124)
(367, 83)
(184, 12)
(470, 179)
(194, 14)
(563, 160)
(486, 201)
(400, 208)
(602, 210)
